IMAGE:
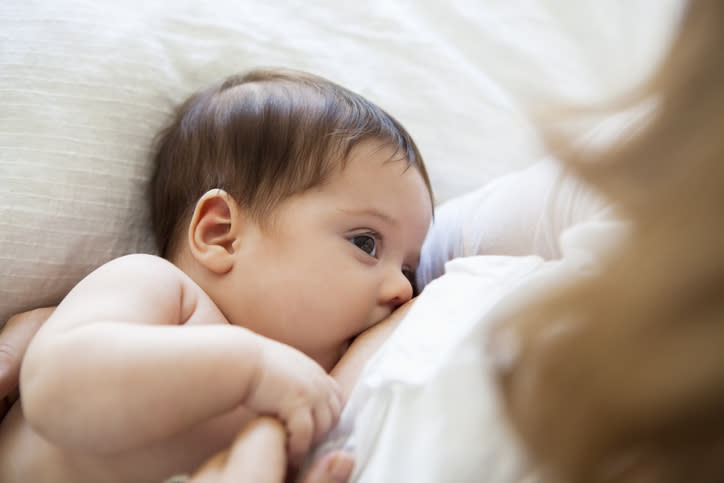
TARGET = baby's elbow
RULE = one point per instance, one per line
(54, 410)
(41, 398)
(35, 396)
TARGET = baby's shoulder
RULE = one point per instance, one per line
(156, 280)
(139, 287)
(140, 267)
(140, 261)
(135, 274)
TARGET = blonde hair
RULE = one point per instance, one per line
(635, 392)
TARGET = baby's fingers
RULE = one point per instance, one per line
(324, 419)
(301, 433)
(337, 398)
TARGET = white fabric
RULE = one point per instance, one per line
(522, 213)
(84, 85)
(426, 408)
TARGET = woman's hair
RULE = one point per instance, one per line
(633, 388)
(262, 137)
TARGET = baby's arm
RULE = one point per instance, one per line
(111, 369)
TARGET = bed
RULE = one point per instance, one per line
(84, 85)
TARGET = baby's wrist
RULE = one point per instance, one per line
(255, 361)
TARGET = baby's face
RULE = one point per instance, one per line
(338, 258)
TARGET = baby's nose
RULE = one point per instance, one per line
(396, 290)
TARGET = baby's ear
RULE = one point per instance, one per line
(213, 231)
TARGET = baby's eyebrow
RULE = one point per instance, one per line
(371, 212)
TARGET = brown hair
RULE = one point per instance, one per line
(634, 391)
(262, 137)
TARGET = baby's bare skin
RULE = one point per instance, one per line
(25, 456)
(148, 411)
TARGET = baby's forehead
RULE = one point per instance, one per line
(375, 182)
(381, 149)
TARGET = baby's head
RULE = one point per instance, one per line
(262, 137)
(299, 206)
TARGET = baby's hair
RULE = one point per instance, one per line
(633, 389)
(262, 137)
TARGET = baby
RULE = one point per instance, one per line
(290, 213)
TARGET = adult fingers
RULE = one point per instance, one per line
(256, 456)
(14, 340)
(210, 472)
(333, 467)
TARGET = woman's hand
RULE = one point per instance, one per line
(295, 389)
(14, 339)
(259, 456)
(333, 467)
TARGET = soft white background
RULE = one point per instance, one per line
(84, 86)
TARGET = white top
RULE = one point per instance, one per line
(425, 408)
(522, 213)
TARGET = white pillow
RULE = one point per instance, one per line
(85, 85)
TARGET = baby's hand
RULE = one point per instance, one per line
(294, 388)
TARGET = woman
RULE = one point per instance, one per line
(631, 387)
(618, 377)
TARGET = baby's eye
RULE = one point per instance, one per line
(366, 243)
